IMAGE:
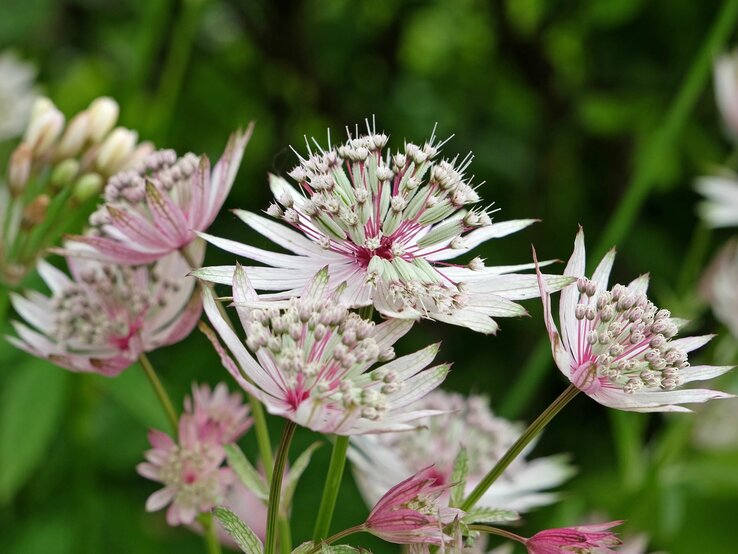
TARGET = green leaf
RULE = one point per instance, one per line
(246, 472)
(458, 477)
(306, 547)
(295, 473)
(31, 404)
(490, 515)
(245, 538)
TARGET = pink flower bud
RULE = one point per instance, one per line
(584, 539)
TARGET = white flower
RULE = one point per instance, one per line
(720, 206)
(719, 286)
(381, 460)
(725, 75)
(16, 94)
(385, 225)
(618, 348)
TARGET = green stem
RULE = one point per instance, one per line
(497, 531)
(209, 533)
(285, 535)
(275, 489)
(680, 108)
(338, 536)
(175, 65)
(519, 445)
(161, 393)
(330, 489)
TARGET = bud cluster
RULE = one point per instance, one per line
(57, 164)
(624, 338)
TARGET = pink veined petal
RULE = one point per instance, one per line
(515, 287)
(703, 372)
(114, 251)
(390, 331)
(409, 365)
(161, 440)
(225, 170)
(196, 211)
(242, 292)
(569, 295)
(601, 275)
(135, 228)
(56, 279)
(34, 313)
(148, 470)
(687, 344)
(418, 386)
(168, 217)
(184, 324)
(159, 499)
(477, 322)
(220, 274)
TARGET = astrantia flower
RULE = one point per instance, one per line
(314, 361)
(586, 539)
(190, 470)
(16, 94)
(410, 512)
(385, 225)
(103, 317)
(381, 460)
(719, 286)
(220, 417)
(618, 348)
(720, 207)
(157, 207)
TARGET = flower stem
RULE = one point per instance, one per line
(497, 531)
(333, 538)
(275, 489)
(161, 393)
(528, 435)
(330, 489)
(211, 538)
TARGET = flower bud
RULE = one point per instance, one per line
(45, 126)
(103, 114)
(87, 186)
(19, 168)
(116, 149)
(64, 173)
(35, 212)
(74, 136)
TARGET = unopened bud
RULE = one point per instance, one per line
(74, 137)
(46, 124)
(87, 186)
(116, 149)
(64, 173)
(103, 113)
(35, 212)
(142, 151)
(19, 168)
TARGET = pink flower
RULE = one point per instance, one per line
(618, 347)
(220, 417)
(410, 512)
(314, 361)
(102, 318)
(190, 469)
(386, 225)
(158, 207)
(586, 539)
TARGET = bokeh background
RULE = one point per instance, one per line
(561, 102)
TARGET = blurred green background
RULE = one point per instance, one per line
(557, 99)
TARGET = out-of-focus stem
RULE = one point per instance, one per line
(160, 391)
(212, 544)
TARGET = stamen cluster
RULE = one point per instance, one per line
(625, 338)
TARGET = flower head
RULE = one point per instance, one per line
(102, 318)
(618, 348)
(381, 460)
(410, 512)
(314, 361)
(586, 539)
(219, 416)
(158, 206)
(190, 470)
(16, 94)
(385, 225)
